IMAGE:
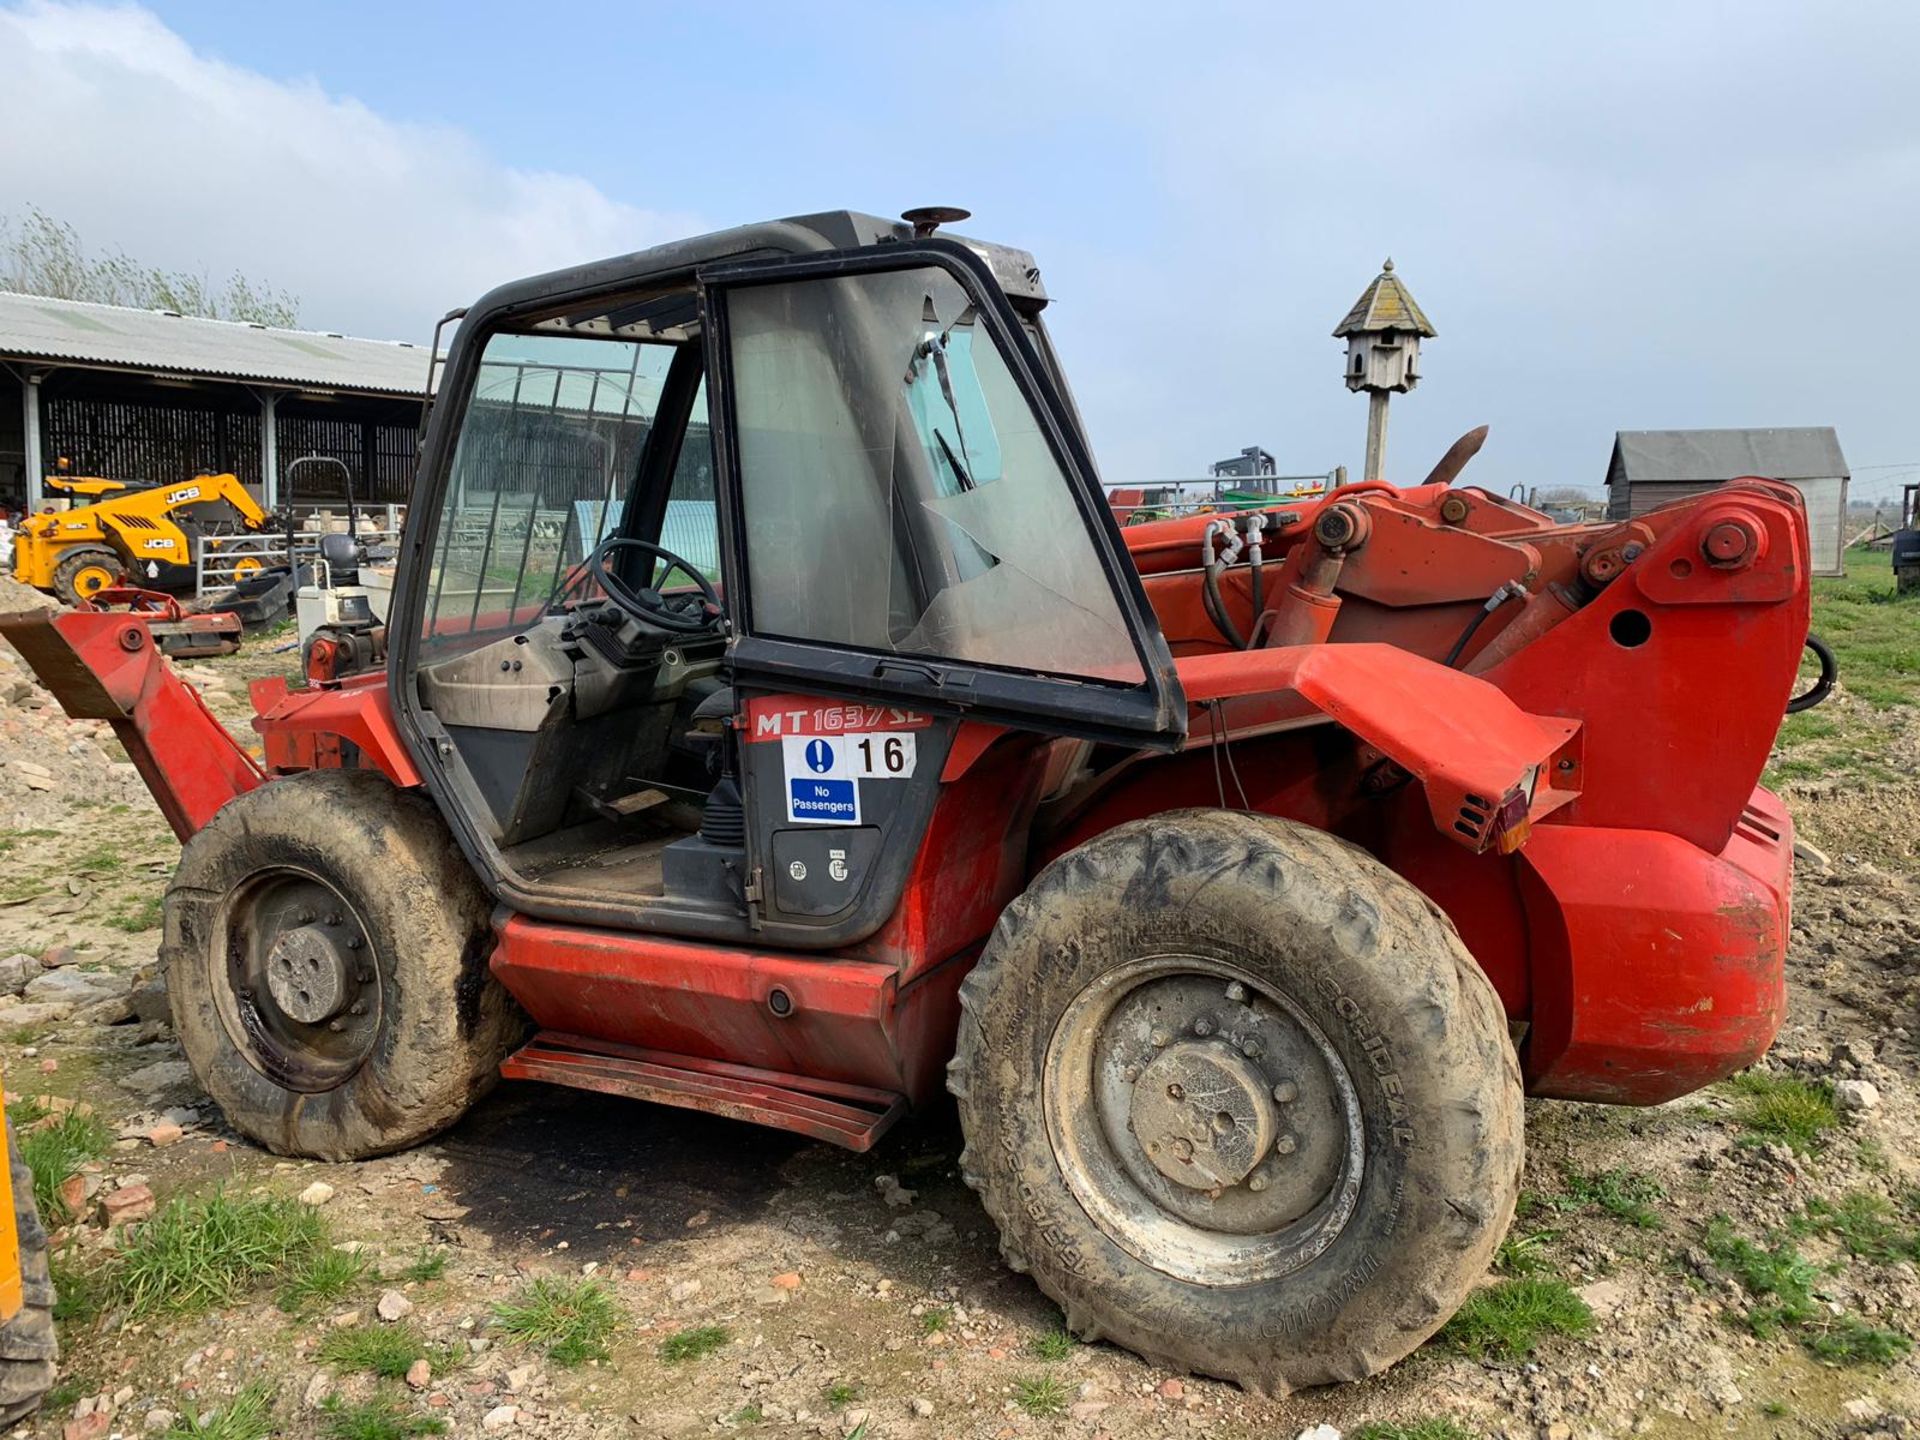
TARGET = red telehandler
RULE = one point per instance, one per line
(774, 721)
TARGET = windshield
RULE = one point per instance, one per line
(900, 493)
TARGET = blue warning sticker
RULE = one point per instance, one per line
(823, 802)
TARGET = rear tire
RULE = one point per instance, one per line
(1239, 1099)
(29, 1349)
(326, 954)
(85, 573)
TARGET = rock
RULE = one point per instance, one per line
(1084, 1410)
(95, 1426)
(72, 1192)
(316, 1194)
(920, 1407)
(854, 1422)
(1559, 1430)
(318, 1389)
(125, 1205)
(1855, 1096)
(897, 1196)
(15, 972)
(159, 1420)
(500, 1417)
(47, 1012)
(54, 956)
(1603, 1297)
(1863, 1408)
(1811, 856)
(393, 1306)
(151, 1079)
(419, 1374)
(164, 1134)
(684, 1290)
(147, 998)
(1171, 1389)
(77, 986)
(788, 1281)
(519, 1378)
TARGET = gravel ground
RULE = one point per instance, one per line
(848, 1295)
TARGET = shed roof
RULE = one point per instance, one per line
(76, 332)
(1386, 304)
(1807, 452)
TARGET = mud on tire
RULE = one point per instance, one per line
(337, 873)
(1220, 957)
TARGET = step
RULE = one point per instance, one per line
(852, 1116)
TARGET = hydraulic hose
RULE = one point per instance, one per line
(1823, 686)
(1216, 607)
(1512, 590)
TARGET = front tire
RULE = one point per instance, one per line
(326, 954)
(85, 573)
(1239, 1099)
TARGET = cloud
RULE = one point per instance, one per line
(118, 127)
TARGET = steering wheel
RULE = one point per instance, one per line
(684, 614)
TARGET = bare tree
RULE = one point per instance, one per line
(40, 255)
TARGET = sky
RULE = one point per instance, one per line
(1630, 216)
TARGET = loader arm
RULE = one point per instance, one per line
(105, 665)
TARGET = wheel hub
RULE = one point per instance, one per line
(1204, 1115)
(309, 974)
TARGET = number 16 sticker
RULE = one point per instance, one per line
(882, 754)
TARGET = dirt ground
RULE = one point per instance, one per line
(863, 1296)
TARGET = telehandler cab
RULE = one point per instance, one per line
(774, 721)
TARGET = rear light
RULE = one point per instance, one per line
(1511, 827)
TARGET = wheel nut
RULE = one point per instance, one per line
(1160, 1038)
(1183, 1148)
(336, 1026)
(1286, 1092)
(1130, 1074)
(1285, 1145)
(1250, 1049)
(1257, 1182)
(1203, 1026)
(354, 942)
(333, 919)
(1236, 992)
(1176, 1091)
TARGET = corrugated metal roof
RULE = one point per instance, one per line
(35, 328)
(1386, 304)
(1807, 452)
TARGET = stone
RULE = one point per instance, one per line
(148, 1000)
(520, 1377)
(318, 1389)
(164, 1134)
(788, 1281)
(316, 1194)
(1811, 856)
(72, 1192)
(54, 956)
(1603, 1297)
(1171, 1389)
(419, 1374)
(854, 1421)
(76, 986)
(125, 1205)
(393, 1306)
(158, 1420)
(1084, 1410)
(1855, 1096)
(15, 972)
(499, 1418)
(95, 1426)
(922, 1408)
(46, 1012)
(684, 1290)
(153, 1079)
(1559, 1430)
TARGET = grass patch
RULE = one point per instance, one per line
(381, 1418)
(1867, 1225)
(1053, 1346)
(1523, 1255)
(384, 1350)
(80, 1293)
(322, 1278)
(198, 1254)
(1508, 1320)
(58, 1148)
(139, 917)
(1780, 1281)
(426, 1265)
(1781, 1107)
(841, 1393)
(1624, 1194)
(1434, 1427)
(693, 1343)
(1043, 1396)
(248, 1416)
(101, 860)
(571, 1320)
(934, 1318)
